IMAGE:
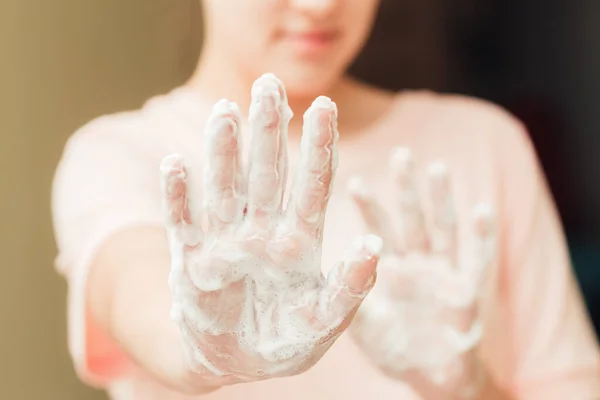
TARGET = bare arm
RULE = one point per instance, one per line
(129, 297)
(224, 340)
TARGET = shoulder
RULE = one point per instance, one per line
(101, 153)
(471, 131)
(161, 125)
(488, 148)
(125, 148)
(453, 117)
(132, 128)
(467, 119)
(107, 130)
(499, 133)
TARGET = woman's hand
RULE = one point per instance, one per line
(249, 296)
(421, 321)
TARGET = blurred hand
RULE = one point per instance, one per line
(248, 293)
(421, 322)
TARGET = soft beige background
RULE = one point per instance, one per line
(64, 62)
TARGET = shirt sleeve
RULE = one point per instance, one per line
(554, 352)
(104, 183)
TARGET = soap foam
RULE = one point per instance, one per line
(250, 300)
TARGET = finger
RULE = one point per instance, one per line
(484, 235)
(223, 191)
(269, 118)
(181, 208)
(373, 214)
(317, 166)
(349, 283)
(443, 230)
(412, 223)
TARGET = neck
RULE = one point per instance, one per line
(216, 78)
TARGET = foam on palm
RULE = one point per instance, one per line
(423, 315)
(248, 293)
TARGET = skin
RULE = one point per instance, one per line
(250, 286)
(308, 44)
(280, 43)
(421, 322)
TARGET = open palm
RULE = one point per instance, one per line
(422, 316)
(248, 293)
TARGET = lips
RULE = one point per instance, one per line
(312, 36)
(311, 42)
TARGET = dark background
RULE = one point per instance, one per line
(538, 58)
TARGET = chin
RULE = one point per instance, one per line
(307, 83)
(304, 91)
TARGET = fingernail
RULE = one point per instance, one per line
(483, 217)
(356, 186)
(221, 104)
(269, 97)
(373, 244)
(265, 79)
(268, 76)
(266, 86)
(401, 158)
(439, 183)
(225, 106)
(170, 163)
(324, 102)
(265, 105)
(320, 104)
(438, 170)
(369, 245)
(402, 166)
(176, 313)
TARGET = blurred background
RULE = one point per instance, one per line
(64, 62)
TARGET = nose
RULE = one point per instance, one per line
(316, 7)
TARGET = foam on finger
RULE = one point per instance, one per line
(317, 167)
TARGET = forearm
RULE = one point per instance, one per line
(131, 300)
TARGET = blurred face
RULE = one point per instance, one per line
(308, 44)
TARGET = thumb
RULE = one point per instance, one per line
(349, 282)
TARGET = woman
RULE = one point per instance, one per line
(245, 301)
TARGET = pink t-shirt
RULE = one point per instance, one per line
(538, 343)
